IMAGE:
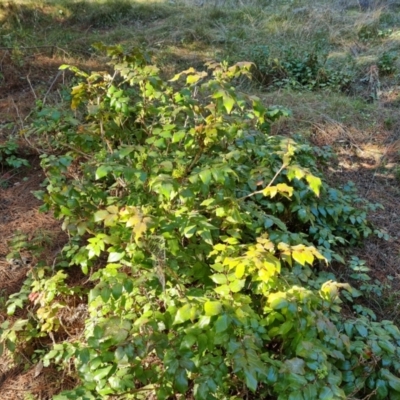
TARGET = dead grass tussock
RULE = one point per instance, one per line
(311, 110)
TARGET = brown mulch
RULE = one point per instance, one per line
(19, 213)
(369, 160)
(43, 383)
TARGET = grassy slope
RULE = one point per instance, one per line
(183, 34)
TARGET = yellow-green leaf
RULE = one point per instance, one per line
(114, 256)
(303, 257)
(228, 104)
(277, 301)
(284, 189)
(315, 183)
(270, 191)
(134, 220)
(112, 209)
(191, 79)
(212, 308)
(239, 272)
(219, 278)
(237, 286)
(101, 215)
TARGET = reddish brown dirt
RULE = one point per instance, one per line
(369, 160)
(19, 211)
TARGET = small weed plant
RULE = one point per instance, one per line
(308, 70)
(9, 155)
(387, 63)
(205, 241)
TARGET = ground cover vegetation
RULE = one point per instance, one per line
(208, 255)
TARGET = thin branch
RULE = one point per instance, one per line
(269, 184)
(194, 161)
(51, 86)
(30, 84)
(77, 151)
(5, 178)
(19, 115)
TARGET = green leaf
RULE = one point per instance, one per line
(84, 355)
(189, 231)
(166, 166)
(295, 365)
(188, 341)
(66, 211)
(285, 328)
(237, 285)
(310, 392)
(296, 381)
(296, 396)
(326, 394)
(117, 291)
(105, 294)
(223, 290)
(202, 343)
(279, 303)
(205, 176)
(393, 381)
(183, 314)
(251, 379)
(302, 214)
(381, 389)
(10, 345)
(222, 323)
(219, 278)
(102, 373)
(206, 236)
(126, 150)
(101, 215)
(212, 308)
(102, 171)
(392, 329)
(228, 104)
(115, 256)
(362, 330)
(128, 285)
(181, 381)
(178, 136)
(386, 345)
(116, 383)
(98, 332)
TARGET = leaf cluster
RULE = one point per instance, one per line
(9, 155)
(206, 242)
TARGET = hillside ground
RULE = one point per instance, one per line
(355, 110)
